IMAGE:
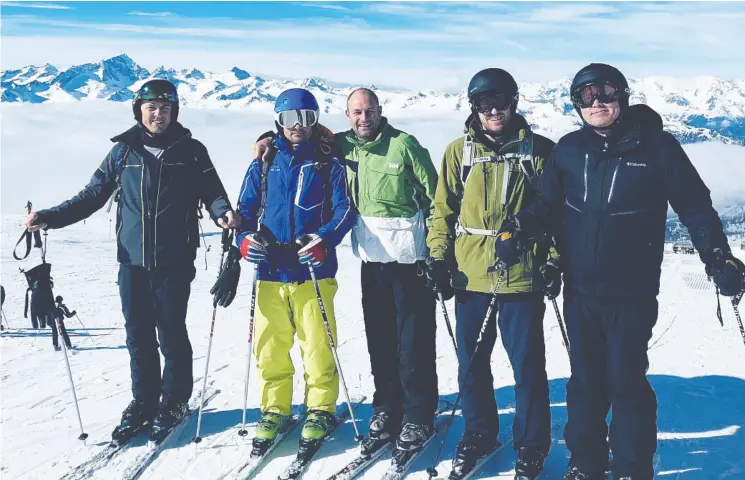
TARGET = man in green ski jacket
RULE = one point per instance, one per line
(486, 176)
(393, 181)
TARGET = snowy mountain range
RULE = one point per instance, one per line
(733, 221)
(696, 109)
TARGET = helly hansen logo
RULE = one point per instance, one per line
(635, 164)
(394, 165)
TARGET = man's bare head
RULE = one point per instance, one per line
(364, 113)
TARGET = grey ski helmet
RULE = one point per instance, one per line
(156, 89)
(493, 80)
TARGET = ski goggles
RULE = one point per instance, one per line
(489, 102)
(157, 93)
(585, 95)
(290, 118)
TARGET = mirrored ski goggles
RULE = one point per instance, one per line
(154, 93)
(585, 95)
(489, 102)
(290, 118)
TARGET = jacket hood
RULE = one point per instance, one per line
(645, 117)
(135, 136)
(637, 122)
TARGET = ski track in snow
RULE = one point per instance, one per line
(696, 367)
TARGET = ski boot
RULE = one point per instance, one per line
(472, 447)
(170, 414)
(266, 432)
(575, 474)
(529, 463)
(57, 348)
(138, 415)
(317, 425)
(413, 436)
(383, 429)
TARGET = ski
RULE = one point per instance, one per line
(300, 464)
(152, 451)
(254, 463)
(371, 450)
(479, 463)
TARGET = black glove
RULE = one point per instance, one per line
(226, 285)
(551, 275)
(509, 244)
(437, 277)
(40, 285)
(727, 271)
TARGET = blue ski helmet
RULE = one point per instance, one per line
(295, 99)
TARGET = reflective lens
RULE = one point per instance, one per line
(290, 118)
(156, 92)
(487, 103)
(585, 95)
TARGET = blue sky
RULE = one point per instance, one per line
(418, 45)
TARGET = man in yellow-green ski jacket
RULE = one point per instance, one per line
(486, 176)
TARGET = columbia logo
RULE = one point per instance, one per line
(634, 164)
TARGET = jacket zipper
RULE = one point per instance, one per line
(587, 160)
(566, 201)
(613, 180)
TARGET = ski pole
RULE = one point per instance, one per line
(82, 324)
(432, 471)
(358, 437)
(735, 306)
(83, 435)
(561, 324)
(226, 237)
(252, 316)
(447, 321)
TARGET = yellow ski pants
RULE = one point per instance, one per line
(282, 310)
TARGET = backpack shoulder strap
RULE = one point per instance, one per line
(120, 162)
(469, 150)
(526, 158)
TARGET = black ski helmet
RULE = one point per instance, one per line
(156, 89)
(601, 73)
(58, 299)
(493, 80)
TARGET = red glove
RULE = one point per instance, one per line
(254, 248)
(312, 250)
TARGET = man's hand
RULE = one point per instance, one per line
(263, 149)
(437, 277)
(31, 224)
(509, 245)
(727, 271)
(312, 250)
(551, 275)
(230, 220)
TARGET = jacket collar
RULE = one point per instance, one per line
(636, 124)
(135, 137)
(516, 130)
(384, 130)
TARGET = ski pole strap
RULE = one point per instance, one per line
(227, 239)
(475, 231)
(26, 235)
(719, 309)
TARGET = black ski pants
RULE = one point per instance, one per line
(63, 332)
(156, 300)
(520, 318)
(608, 338)
(400, 323)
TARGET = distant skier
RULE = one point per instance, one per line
(158, 174)
(60, 313)
(487, 175)
(302, 195)
(392, 180)
(2, 302)
(609, 185)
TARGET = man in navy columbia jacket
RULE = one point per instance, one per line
(609, 185)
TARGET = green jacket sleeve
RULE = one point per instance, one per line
(441, 236)
(425, 175)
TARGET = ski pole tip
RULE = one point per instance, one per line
(242, 432)
(197, 439)
(431, 472)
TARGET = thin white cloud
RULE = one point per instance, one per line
(49, 6)
(327, 6)
(150, 14)
(570, 12)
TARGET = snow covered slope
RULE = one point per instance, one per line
(697, 368)
(695, 109)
